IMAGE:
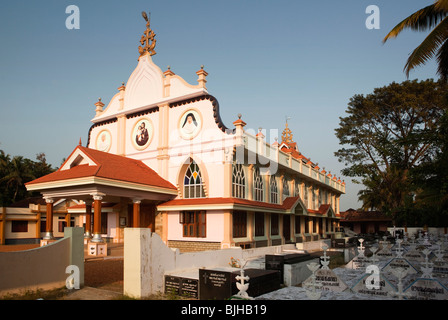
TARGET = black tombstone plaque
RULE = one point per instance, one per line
(214, 285)
(182, 286)
(172, 285)
(189, 288)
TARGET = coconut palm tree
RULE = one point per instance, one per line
(19, 172)
(435, 44)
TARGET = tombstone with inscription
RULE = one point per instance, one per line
(185, 287)
(384, 289)
(360, 261)
(327, 280)
(214, 284)
(324, 276)
(312, 287)
(427, 289)
(440, 267)
(221, 284)
(400, 273)
(400, 263)
(413, 254)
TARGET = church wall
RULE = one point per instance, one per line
(107, 132)
(214, 233)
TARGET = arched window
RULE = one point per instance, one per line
(319, 199)
(305, 195)
(298, 189)
(274, 190)
(285, 187)
(258, 185)
(193, 184)
(238, 181)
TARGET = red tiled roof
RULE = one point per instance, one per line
(322, 209)
(109, 166)
(288, 203)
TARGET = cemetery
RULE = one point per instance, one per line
(411, 268)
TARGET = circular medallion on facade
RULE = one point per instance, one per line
(103, 141)
(142, 133)
(190, 124)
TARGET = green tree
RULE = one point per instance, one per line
(386, 135)
(435, 44)
(15, 172)
(18, 173)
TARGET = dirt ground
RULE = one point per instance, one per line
(104, 274)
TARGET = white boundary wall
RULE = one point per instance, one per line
(147, 259)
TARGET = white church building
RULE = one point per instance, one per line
(159, 156)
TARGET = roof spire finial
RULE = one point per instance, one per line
(147, 38)
(287, 133)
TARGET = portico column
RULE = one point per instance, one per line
(49, 222)
(88, 231)
(97, 218)
(136, 213)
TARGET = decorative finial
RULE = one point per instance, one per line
(287, 133)
(148, 38)
(80, 142)
(239, 115)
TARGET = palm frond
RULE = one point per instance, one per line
(441, 4)
(442, 60)
(428, 48)
(421, 20)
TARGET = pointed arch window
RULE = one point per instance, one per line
(258, 185)
(285, 187)
(298, 189)
(274, 190)
(193, 183)
(238, 181)
(305, 195)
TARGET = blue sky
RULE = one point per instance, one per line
(266, 59)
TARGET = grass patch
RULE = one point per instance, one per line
(54, 294)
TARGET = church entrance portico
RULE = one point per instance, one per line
(113, 191)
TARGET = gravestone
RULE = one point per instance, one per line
(214, 284)
(400, 263)
(385, 287)
(312, 287)
(261, 281)
(328, 280)
(221, 285)
(385, 249)
(440, 269)
(182, 286)
(427, 289)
